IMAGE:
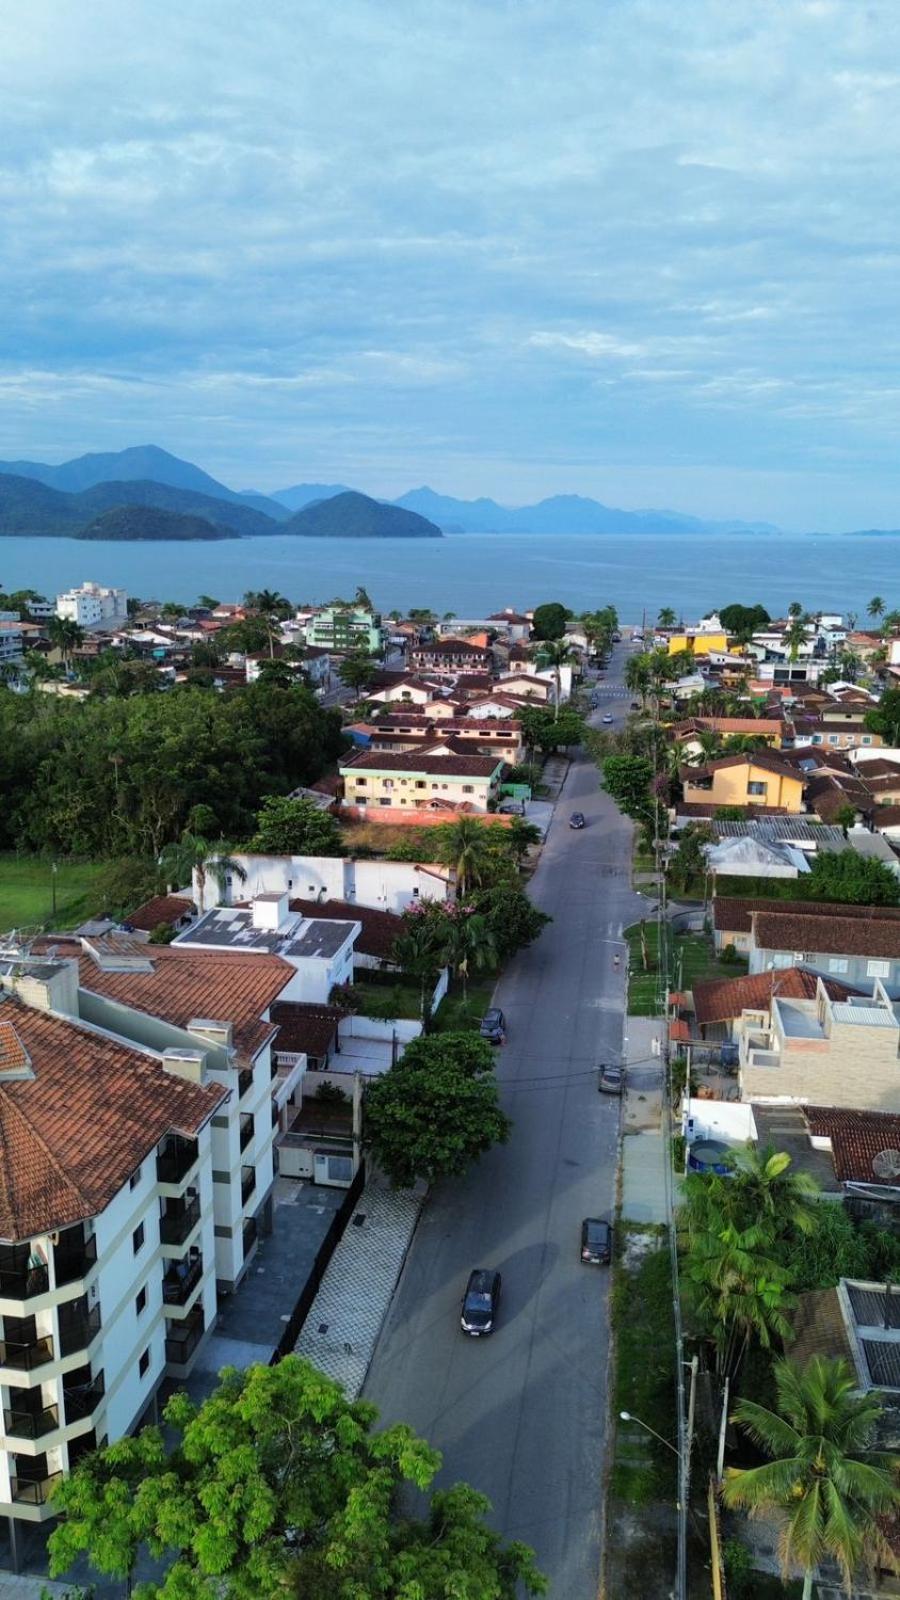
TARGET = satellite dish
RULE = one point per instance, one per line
(886, 1164)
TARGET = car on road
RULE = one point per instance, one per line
(596, 1241)
(607, 718)
(611, 1079)
(480, 1302)
(635, 705)
(493, 1026)
(576, 820)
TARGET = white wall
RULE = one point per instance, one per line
(381, 885)
(728, 1120)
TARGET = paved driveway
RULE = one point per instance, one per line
(522, 1415)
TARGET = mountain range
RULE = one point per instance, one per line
(37, 498)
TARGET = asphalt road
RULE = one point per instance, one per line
(521, 1415)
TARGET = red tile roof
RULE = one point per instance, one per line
(305, 1029)
(733, 914)
(721, 999)
(72, 1133)
(856, 1138)
(446, 766)
(829, 933)
(168, 908)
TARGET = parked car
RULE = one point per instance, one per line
(635, 705)
(480, 1302)
(611, 1079)
(607, 718)
(576, 820)
(596, 1241)
(493, 1026)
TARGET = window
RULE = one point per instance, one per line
(834, 738)
(782, 958)
(137, 1238)
(360, 782)
(144, 1364)
(420, 783)
(867, 738)
(135, 1178)
(838, 964)
(757, 788)
(140, 1301)
(878, 969)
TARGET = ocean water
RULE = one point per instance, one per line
(473, 574)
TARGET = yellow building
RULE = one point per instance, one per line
(744, 780)
(699, 643)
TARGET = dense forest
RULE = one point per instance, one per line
(120, 777)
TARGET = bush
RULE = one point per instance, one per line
(738, 1563)
(729, 955)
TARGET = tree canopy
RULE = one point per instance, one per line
(296, 827)
(549, 620)
(279, 1485)
(884, 718)
(436, 1111)
(846, 876)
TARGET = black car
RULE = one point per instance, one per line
(576, 820)
(493, 1026)
(480, 1301)
(596, 1241)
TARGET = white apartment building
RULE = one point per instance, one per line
(107, 1263)
(381, 885)
(12, 638)
(92, 605)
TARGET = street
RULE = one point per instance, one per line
(521, 1415)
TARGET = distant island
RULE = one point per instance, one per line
(355, 516)
(149, 522)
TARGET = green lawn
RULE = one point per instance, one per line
(691, 956)
(643, 1468)
(400, 999)
(455, 1014)
(26, 891)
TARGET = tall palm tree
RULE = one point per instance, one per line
(824, 1476)
(271, 607)
(795, 635)
(637, 676)
(739, 1293)
(557, 653)
(67, 635)
(192, 855)
(795, 609)
(666, 617)
(418, 952)
(465, 846)
(764, 1186)
(851, 621)
(469, 944)
(875, 608)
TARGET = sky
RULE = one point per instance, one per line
(635, 249)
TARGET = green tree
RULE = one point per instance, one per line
(276, 674)
(666, 617)
(357, 670)
(557, 653)
(876, 607)
(192, 856)
(637, 676)
(436, 1111)
(272, 608)
(468, 942)
(852, 879)
(743, 621)
(296, 827)
(795, 609)
(465, 846)
(545, 729)
(549, 620)
(884, 719)
(824, 1479)
(67, 636)
(628, 779)
(279, 1485)
(514, 921)
(208, 602)
(418, 950)
(520, 837)
(796, 634)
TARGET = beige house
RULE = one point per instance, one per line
(822, 1051)
(414, 780)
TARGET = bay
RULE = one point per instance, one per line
(475, 574)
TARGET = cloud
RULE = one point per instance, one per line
(460, 239)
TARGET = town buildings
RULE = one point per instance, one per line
(92, 605)
(342, 628)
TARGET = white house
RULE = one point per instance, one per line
(382, 885)
(318, 949)
(93, 604)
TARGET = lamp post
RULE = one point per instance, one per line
(627, 1416)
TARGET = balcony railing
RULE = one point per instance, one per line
(34, 1491)
(74, 1261)
(25, 1357)
(248, 1183)
(246, 1129)
(181, 1280)
(174, 1226)
(30, 1424)
(82, 1400)
(245, 1080)
(175, 1162)
(183, 1337)
(77, 1332)
(23, 1282)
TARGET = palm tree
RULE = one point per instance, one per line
(464, 845)
(418, 952)
(519, 837)
(890, 622)
(67, 636)
(557, 653)
(851, 621)
(765, 1187)
(795, 635)
(666, 618)
(875, 608)
(823, 1477)
(191, 855)
(637, 676)
(271, 607)
(469, 943)
(738, 1291)
(795, 609)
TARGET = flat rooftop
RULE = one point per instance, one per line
(232, 928)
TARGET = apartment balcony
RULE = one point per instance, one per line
(182, 1338)
(74, 1256)
(18, 1280)
(248, 1183)
(182, 1279)
(179, 1220)
(34, 1491)
(250, 1233)
(78, 1329)
(82, 1394)
(27, 1424)
(176, 1160)
(246, 1129)
(245, 1081)
(26, 1355)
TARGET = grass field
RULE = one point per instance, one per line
(454, 1014)
(643, 1468)
(691, 957)
(26, 891)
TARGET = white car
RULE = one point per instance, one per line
(607, 718)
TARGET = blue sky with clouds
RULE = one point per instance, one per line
(638, 249)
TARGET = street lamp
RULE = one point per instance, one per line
(627, 1417)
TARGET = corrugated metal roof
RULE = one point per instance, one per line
(868, 1306)
(870, 1016)
(883, 1361)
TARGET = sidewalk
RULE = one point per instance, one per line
(344, 1321)
(644, 1155)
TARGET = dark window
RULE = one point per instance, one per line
(140, 1301)
(144, 1364)
(135, 1178)
(137, 1238)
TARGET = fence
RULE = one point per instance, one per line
(317, 1271)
